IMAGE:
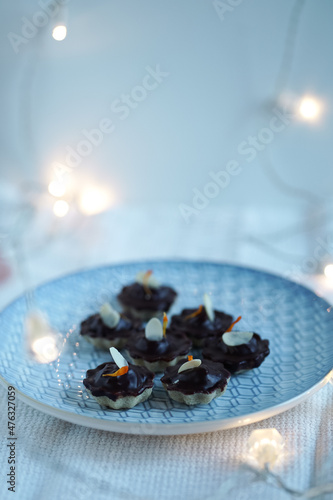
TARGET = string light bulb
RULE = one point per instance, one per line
(265, 446)
(57, 188)
(59, 33)
(60, 208)
(45, 349)
(328, 271)
(94, 200)
(309, 108)
(60, 23)
(41, 339)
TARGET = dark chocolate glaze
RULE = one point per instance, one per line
(172, 345)
(159, 299)
(94, 327)
(132, 383)
(237, 358)
(200, 327)
(206, 378)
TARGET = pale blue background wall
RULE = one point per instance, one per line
(221, 74)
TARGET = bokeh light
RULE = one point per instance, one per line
(60, 208)
(59, 32)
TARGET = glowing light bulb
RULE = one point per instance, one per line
(60, 208)
(94, 200)
(328, 271)
(45, 349)
(265, 446)
(309, 108)
(59, 32)
(57, 188)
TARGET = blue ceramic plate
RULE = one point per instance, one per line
(297, 323)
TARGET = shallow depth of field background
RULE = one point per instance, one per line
(226, 68)
(222, 77)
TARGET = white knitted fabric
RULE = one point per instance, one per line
(59, 460)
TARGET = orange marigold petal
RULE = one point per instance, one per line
(233, 324)
(145, 281)
(165, 323)
(194, 314)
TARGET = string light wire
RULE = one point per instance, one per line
(289, 47)
(317, 204)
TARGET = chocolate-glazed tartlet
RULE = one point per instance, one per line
(146, 298)
(156, 349)
(202, 323)
(117, 387)
(248, 352)
(104, 333)
(195, 381)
